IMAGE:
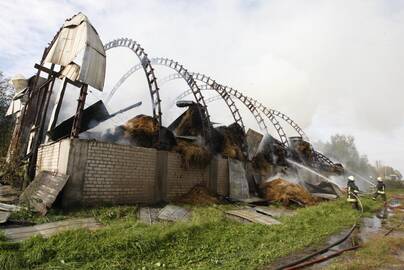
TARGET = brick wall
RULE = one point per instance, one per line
(102, 172)
(179, 180)
(52, 157)
(119, 174)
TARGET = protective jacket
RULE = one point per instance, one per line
(381, 188)
(352, 191)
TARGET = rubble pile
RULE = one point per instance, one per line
(285, 192)
(198, 195)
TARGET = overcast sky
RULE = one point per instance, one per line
(333, 66)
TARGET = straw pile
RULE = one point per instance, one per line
(193, 155)
(198, 195)
(280, 190)
(143, 130)
(261, 164)
(233, 141)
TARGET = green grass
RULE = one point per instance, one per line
(103, 214)
(208, 241)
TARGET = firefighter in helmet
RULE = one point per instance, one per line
(380, 189)
(352, 192)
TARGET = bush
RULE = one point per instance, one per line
(394, 184)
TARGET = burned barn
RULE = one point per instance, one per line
(144, 160)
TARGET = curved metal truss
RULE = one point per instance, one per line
(270, 113)
(181, 71)
(225, 92)
(214, 86)
(147, 67)
(211, 84)
(122, 80)
(250, 103)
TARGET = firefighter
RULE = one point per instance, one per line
(381, 189)
(352, 192)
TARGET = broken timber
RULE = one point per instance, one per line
(253, 216)
(42, 192)
(49, 229)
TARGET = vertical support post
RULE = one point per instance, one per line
(56, 108)
(38, 128)
(79, 112)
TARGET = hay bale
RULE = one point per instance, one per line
(143, 130)
(193, 155)
(285, 192)
(142, 124)
(198, 195)
(234, 141)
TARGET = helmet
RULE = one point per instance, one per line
(379, 179)
(351, 178)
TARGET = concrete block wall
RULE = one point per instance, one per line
(122, 174)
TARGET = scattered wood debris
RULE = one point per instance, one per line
(8, 194)
(251, 215)
(173, 213)
(4, 216)
(275, 212)
(9, 207)
(49, 229)
(42, 192)
(148, 215)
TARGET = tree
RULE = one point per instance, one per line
(6, 123)
(342, 148)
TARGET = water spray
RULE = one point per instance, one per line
(310, 170)
(360, 177)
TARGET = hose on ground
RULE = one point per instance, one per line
(298, 263)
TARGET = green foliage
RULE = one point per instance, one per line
(6, 123)
(394, 184)
(342, 148)
(208, 241)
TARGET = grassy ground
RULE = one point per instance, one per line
(208, 241)
(380, 252)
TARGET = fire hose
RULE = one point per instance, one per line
(303, 262)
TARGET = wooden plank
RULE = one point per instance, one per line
(4, 216)
(253, 216)
(49, 229)
(7, 191)
(274, 212)
(9, 207)
(173, 213)
(42, 192)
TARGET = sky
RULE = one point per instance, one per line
(332, 66)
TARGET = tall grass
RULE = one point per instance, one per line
(208, 241)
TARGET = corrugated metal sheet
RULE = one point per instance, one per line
(16, 104)
(79, 49)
